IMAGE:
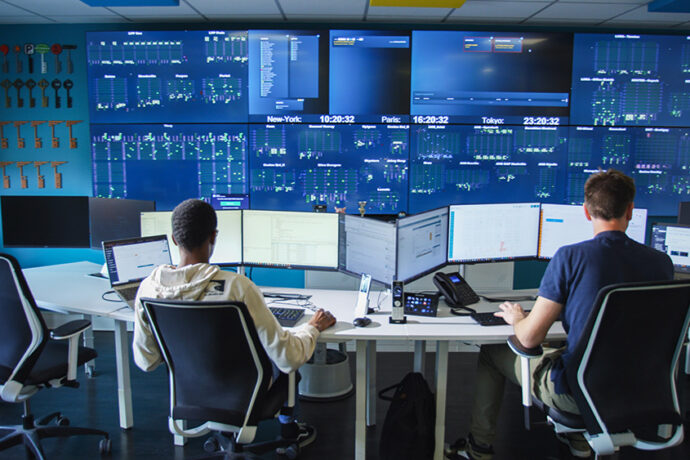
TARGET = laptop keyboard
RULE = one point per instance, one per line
(287, 317)
(128, 293)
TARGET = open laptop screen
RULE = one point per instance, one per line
(134, 259)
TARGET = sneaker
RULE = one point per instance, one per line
(467, 448)
(576, 442)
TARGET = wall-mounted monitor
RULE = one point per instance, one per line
(493, 232)
(674, 240)
(290, 239)
(168, 163)
(368, 246)
(422, 244)
(228, 248)
(486, 164)
(563, 224)
(115, 219)
(490, 77)
(294, 167)
(167, 76)
(630, 80)
(45, 221)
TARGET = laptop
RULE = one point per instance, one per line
(131, 260)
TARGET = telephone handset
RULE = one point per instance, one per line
(455, 289)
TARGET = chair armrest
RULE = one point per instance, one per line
(523, 351)
(70, 329)
(525, 355)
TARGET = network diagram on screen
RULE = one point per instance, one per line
(389, 121)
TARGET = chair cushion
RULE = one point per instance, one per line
(52, 363)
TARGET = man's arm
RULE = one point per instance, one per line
(531, 329)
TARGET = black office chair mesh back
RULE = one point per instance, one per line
(206, 361)
(629, 370)
(19, 315)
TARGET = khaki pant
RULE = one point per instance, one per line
(498, 362)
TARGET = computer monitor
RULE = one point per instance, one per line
(115, 219)
(368, 246)
(45, 221)
(674, 240)
(228, 248)
(563, 224)
(422, 244)
(286, 239)
(684, 213)
(493, 232)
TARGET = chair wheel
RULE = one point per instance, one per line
(211, 445)
(62, 421)
(105, 446)
(288, 453)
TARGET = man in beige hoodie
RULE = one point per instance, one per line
(194, 231)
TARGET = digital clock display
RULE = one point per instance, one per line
(337, 118)
(430, 119)
(541, 121)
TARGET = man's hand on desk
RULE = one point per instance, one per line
(322, 319)
(511, 312)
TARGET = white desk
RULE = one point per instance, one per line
(67, 288)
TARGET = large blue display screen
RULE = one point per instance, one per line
(165, 77)
(288, 75)
(294, 167)
(369, 76)
(486, 164)
(631, 80)
(490, 77)
(168, 163)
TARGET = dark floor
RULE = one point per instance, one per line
(95, 404)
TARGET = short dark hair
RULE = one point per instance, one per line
(193, 221)
(608, 194)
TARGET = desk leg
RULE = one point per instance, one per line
(124, 389)
(371, 383)
(419, 356)
(361, 401)
(441, 389)
(89, 367)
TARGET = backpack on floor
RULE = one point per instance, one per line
(408, 431)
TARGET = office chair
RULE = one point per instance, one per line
(33, 357)
(623, 372)
(219, 374)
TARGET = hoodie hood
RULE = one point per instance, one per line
(188, 282)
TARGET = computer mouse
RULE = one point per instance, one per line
(361, 322)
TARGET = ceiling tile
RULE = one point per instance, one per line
(641, 15)
(230, 8)
(63, 7)
(11, 10)
(352, 8)
(156, 12)
(632, 3)
(245, 17)
(497, 9)
(74, 19)
(28, 19)
(595, 12)
(394, 13)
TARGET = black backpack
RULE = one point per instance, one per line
(408, 431)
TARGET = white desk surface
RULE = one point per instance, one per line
(58, 288)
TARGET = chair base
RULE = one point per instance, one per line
(222, 446)
(30, 434)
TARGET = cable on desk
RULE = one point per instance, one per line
(103, 296)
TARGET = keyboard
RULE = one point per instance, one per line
(128, 293)
(287, 317)
(488, 318)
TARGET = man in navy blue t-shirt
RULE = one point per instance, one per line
(567, 292)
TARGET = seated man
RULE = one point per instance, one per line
(194, 232)
(567, 292)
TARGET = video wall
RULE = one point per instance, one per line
(404, 121)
